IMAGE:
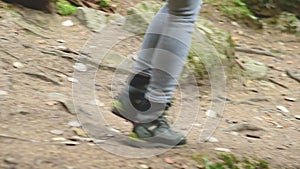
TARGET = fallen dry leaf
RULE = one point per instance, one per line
(169, 160)
(79, 132)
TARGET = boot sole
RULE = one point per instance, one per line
(136, 138)
(134, 141)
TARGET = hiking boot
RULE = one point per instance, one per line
(148, 118)
(158, 131)
(152, 125)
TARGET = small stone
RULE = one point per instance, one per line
(41, 41)
(253, 69)
(240, 32)
(223, 150)
(70, 143)
(67, 23)
(51, 103)
(183, 166)
(279, 126)
(27, 45)
(234, 133)
(78, 138)
(18, 65)
(290, 99)
(281, 148)
(114, 130)
(109, 135)
(282, 109)
(297, 117)
(283, 75)
(143, 166)
(73, 80)
(2, 92)
(93, 19)
(61, 41)
(197, 124)
(212, 140)
(235, 24)
(62, 48)
(59, 139)
(80, 67)
(97, 141)
(56, 132)
(74, 124)
(97, 102)
(258, 118)
(211, 113)
(10, 160)
(23, 112)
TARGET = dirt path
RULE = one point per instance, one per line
(33, 67)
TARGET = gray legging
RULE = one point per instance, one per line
(165, 47)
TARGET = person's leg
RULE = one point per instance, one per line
(164, 52)
(138, 81)
(165, 47)
(150, 41)
(167, 63)
(172, 48)
(127, 105)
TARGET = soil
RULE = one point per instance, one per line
(28, 115)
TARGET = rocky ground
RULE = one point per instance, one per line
(38, 55)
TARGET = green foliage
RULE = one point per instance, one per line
(196, 65)
(65, 8)
(229, 161)
(234, 9)
(288, 22)
(104, 3)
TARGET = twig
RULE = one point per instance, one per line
(274, 68)
(68, 50)
(91, 5)
(17, 138)
(1, 24)
(56, 70)
(248, 103)
(240, 64)
(77, 3)
(36, 141)
(256, 51)
(60, 53)
(294, 75)
(277, 83)
(244, 126)
(81, 3)
(30, 29)
(9, 54)
(42, 77)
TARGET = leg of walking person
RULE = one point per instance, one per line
(163, 55)
(172, 48)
